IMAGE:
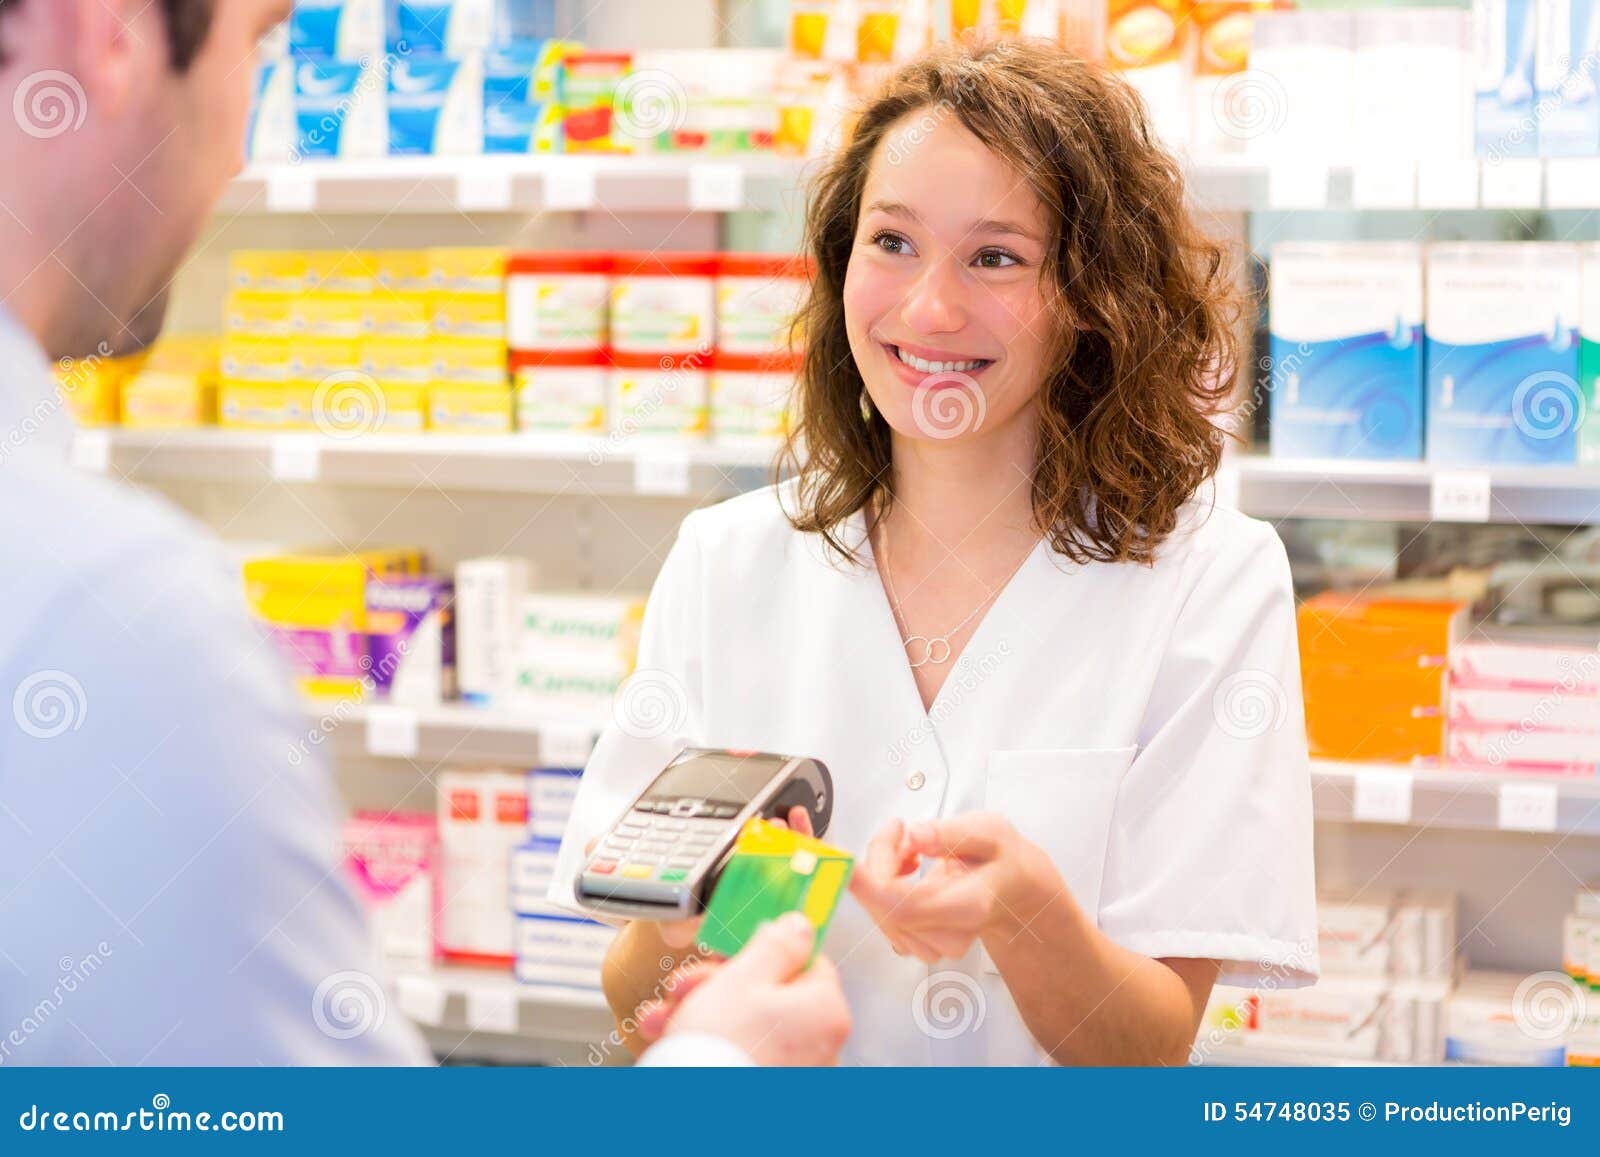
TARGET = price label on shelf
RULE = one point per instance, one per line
(661, 472)
(569, 185)
(296, 459)
(1512, 183)
(716, 188)
(392, 731)
(492, 1010)
(421, 998)
(290, 189)
(1528, 807)
(565, 746)
(1382, 797)
(1572, 183)
(1447, 184)
(91, 450)
(1384, 184)
(484, 191)
(1297, 185)
(1459, 496)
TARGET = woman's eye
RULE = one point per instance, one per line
(890, 242)
(996, 259)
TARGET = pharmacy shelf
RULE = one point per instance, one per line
(682, 183)
(1412, 491)
(1462, 800)
(487, 1014)
(449, 732)
(513, 463)
(522, 185)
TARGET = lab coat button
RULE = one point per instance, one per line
(915, 780)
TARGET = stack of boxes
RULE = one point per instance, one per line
(365, 78)
(391, 859)
(170, 386)
(553, 945)
(352, 625)
(1461, 353)
(499, 838)
(1522, 708)
(1388, 962)
(483, 815)
(573, 652)
(1373, 672)
(354, 342)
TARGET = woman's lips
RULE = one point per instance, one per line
(933, 379)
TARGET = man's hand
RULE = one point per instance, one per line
(765, 999)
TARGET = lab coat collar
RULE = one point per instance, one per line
(33, 410)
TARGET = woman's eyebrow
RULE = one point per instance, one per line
(991, 225)
(894, 209)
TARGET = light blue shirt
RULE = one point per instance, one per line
(170, 884)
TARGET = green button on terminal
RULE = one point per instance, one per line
(674, 874)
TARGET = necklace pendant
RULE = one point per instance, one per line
(934, 644)
(927, 650)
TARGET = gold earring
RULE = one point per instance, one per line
(866, 406)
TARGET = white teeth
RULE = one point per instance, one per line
(928, 367)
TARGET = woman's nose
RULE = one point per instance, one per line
(936, 301)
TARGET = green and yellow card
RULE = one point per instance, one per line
(773, 871)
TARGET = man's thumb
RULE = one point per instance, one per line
(777, 952)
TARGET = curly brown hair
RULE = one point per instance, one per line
(1146, 314)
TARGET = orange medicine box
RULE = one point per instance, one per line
(1373, 675)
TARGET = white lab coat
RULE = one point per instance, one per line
(1142, 724)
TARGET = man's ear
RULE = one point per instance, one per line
(111, 42)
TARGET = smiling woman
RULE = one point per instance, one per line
(1082, 264)
(991, 602)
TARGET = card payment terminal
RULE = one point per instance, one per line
(661, 859)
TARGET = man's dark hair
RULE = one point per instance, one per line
(188, 24)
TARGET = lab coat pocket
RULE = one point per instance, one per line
(1061, 799)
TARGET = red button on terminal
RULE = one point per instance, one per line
(603, 867)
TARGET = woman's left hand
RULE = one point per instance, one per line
(984, 877)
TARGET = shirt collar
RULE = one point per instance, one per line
(33, 411)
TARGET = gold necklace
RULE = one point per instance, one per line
(932, 643)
